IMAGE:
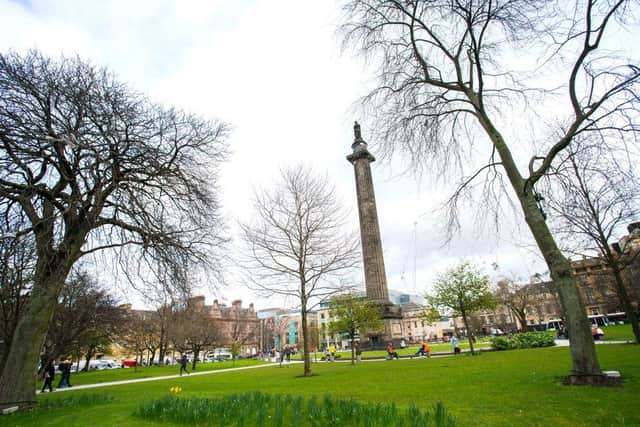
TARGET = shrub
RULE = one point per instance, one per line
(524, 340)
(260, 409)
(501, 343)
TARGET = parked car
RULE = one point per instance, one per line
(129, 363)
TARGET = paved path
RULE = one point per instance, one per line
(166, 377)
(565, 343)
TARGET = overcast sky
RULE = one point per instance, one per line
(274, 70)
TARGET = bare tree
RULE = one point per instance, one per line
(298, 246)
(517, 297)
(94, 166)
(192, 330)
(448, 78)
(596, 197)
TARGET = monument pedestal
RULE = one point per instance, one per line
(392, 318)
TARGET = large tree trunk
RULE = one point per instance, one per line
(583, 349)
(19, 376)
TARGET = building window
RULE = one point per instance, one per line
(415, 324)
(322, 315)
(588, 294)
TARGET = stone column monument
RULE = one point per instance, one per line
(375, 277)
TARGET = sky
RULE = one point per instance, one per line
(275, 71)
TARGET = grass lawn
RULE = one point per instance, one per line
(518, 387)
(618, 333)
(412, 349)
(108, 375)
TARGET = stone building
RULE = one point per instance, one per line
(235, 323)
(416, 329)
(142, 338)
(596, 285)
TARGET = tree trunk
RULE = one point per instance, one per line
(626, 303)
(466, 326)
(19, 376)
(305, 342)
(196, 353)
(521, 316)
(87, 359)
(353, 351)
(583, 349)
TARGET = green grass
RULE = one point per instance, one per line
(411, 350)
(618, 333)
(121, 374)
(518, 387)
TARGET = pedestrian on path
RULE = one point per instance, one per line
(454, 343)
(65, 373)
(183, 364)
(49, 375)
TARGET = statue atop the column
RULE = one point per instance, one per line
(356, 132)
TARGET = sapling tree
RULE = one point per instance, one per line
(460, 291)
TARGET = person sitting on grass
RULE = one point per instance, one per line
(423, 350)
(391, 353)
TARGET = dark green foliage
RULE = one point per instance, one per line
(524, 340)
(261, 409)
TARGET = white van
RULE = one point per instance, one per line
(218, 355)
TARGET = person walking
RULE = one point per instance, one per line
(285, 354)
(65, 373)
(183, 364)
(454, 343)
(49, 375)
